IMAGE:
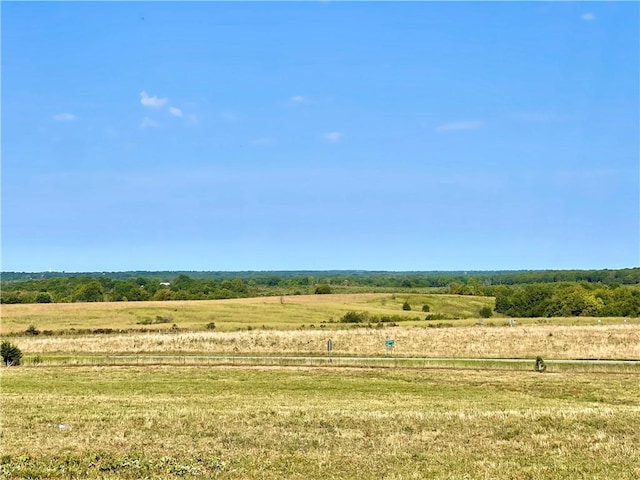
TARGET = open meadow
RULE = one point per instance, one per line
(65, 417)
(284, 312)
(317, 423)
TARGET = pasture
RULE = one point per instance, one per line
(64, 417)
(317, 423)
(284, 312)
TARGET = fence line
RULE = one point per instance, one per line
(388, 361)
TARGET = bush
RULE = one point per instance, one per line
(426, 308)
(486, 312)
(43, 297)
(32, 330)
(11, 355)
(355, 317)
(406, 306)
(540, 365)
(323, 289)
(211, 326)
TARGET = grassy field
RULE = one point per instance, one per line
(273, 312)
(62, 418)
(548, 341)
(273, 423)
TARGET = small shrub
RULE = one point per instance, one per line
(32, 330)
(426, 308)
(486, 312)
(323, 289)
(11, 354)
(540, 365)
(37, 360)
(355, 317)
(435, 316)
(406, 306)
(211, 326)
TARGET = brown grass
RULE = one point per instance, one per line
(549, 341)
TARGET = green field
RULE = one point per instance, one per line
(167, 408)
(284, 312)
(190, 422)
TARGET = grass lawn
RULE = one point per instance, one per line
(317, 423)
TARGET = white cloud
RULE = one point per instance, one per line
(298, 99)
(153, 102)
(175, 111)
(64, 117)
(587, 17)
(333, 137)
(149, 123)
(464, 125)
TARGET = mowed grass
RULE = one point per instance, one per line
(271, 312)
(319, 423)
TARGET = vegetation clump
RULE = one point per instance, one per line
(406, 306)
(486, 312)
(323, 289)
(32, 330)
(540, 365)
(11, 354)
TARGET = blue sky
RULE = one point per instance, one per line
(320, 135)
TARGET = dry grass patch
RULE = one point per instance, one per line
(549, 341)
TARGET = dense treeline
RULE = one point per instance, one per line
(626, 276)
(518, 294)
(567, 300)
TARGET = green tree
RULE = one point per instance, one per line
(323, 289)
(89, 292)
(43, 297)
(11, 354)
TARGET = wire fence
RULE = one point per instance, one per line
(336, 361)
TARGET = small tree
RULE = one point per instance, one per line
(32, 330)
(11, 355)
(426, 308)
(43, 297)
(406, 306)
(323, 289)
(486, 312)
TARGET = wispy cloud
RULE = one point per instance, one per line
(463, 125)
(588, 17)
(149, 123)
(153, 102)
(333, 137)
(175, 111)
(298, 99)
(64, 117)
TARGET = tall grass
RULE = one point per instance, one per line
(549, 341)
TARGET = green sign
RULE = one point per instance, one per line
(389, 343)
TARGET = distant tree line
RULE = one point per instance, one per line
(567, 300)
(518, 294)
